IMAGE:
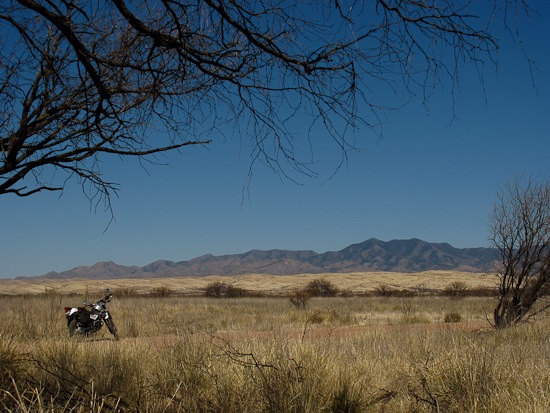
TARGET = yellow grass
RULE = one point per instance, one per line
(345, 354)
(359, 282)
(245, 355)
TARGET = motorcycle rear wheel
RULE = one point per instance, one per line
(112, 328)
(73, 325)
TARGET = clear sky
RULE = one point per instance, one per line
(430, 176)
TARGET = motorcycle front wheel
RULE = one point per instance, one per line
(112, 328)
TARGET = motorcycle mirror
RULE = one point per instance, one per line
(107, 290)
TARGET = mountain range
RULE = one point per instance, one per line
(412, 255)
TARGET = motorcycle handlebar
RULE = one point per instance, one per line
(105, 299)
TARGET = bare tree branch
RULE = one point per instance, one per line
(82, 80)
(520, 230)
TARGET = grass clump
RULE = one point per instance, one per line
(452, 317)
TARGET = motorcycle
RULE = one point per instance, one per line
(90, 318)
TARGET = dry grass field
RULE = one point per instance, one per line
(353, 352)
(272, 285)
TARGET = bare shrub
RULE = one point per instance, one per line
(321, 288)
(126, 292)
(386, 291)
(407, 308)
(161, 292)
(315, 288)
(216, 290)
(236, 292)
(223, 290)
(482, 292)
(300, 298)
(520, 230)
(456, 289)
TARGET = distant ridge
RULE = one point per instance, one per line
(411, 255)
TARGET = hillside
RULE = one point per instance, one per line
(412, 255)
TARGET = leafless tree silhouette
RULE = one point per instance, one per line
(84, 80)
(520, 230)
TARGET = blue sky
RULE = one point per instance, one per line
(430, 176)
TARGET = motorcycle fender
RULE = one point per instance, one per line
(71, 312)
(106, 316)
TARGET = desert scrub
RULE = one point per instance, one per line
(33, 317)
(464, 372)
(174, 315)
(153, 316)
(262, 355)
